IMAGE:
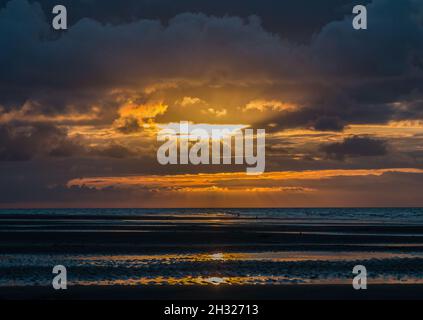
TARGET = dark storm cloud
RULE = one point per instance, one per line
(329, 124)
(353, 76)
(81, 66)
(295, 20)
(355, 147)
(412, 107)
(333, 111)
(113, 151)
(364, 75)
(22, 143)
(390, 47)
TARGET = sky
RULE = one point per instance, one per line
(80, 109)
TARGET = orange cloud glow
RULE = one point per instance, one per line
(224, 182)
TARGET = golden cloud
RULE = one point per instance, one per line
(133, 116)
(224, 182)
(271, 105)
(189, 101)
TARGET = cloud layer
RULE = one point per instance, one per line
(86, 103)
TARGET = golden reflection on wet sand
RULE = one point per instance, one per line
(245, 280)
(281, 256)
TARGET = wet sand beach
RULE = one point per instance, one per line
(209, 254)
